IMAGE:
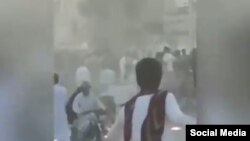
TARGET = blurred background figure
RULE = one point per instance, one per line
(61, 127)
(127, 64)
(95, 45)
(168, 58)
(82, 74)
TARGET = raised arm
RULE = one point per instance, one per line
(174, 112)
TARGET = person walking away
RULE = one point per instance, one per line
(147, 116)
(169, 59)
(126, 64)
(61, 128)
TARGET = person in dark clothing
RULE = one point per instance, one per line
(71, 115)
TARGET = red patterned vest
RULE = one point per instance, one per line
(153, 125)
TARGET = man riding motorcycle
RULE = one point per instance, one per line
(86, 108)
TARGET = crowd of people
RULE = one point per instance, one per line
(160, 81)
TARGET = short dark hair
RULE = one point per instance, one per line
(148, 73)
(56, 78)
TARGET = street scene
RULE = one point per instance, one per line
(99, 43)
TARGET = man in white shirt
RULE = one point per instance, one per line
(61, 128)
(169, 59)
(84, 105)
(126, 65)
(130, 122)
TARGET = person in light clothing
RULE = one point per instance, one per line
(169, 59)
(61, 128)
(149, 114)
(84, 105)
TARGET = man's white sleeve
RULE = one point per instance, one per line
(175, 114)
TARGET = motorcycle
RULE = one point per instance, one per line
(94, 129)
(98, 130)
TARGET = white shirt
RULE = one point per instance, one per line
(173, 114)
(124, 61)
(83, 104)
(61, 128)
